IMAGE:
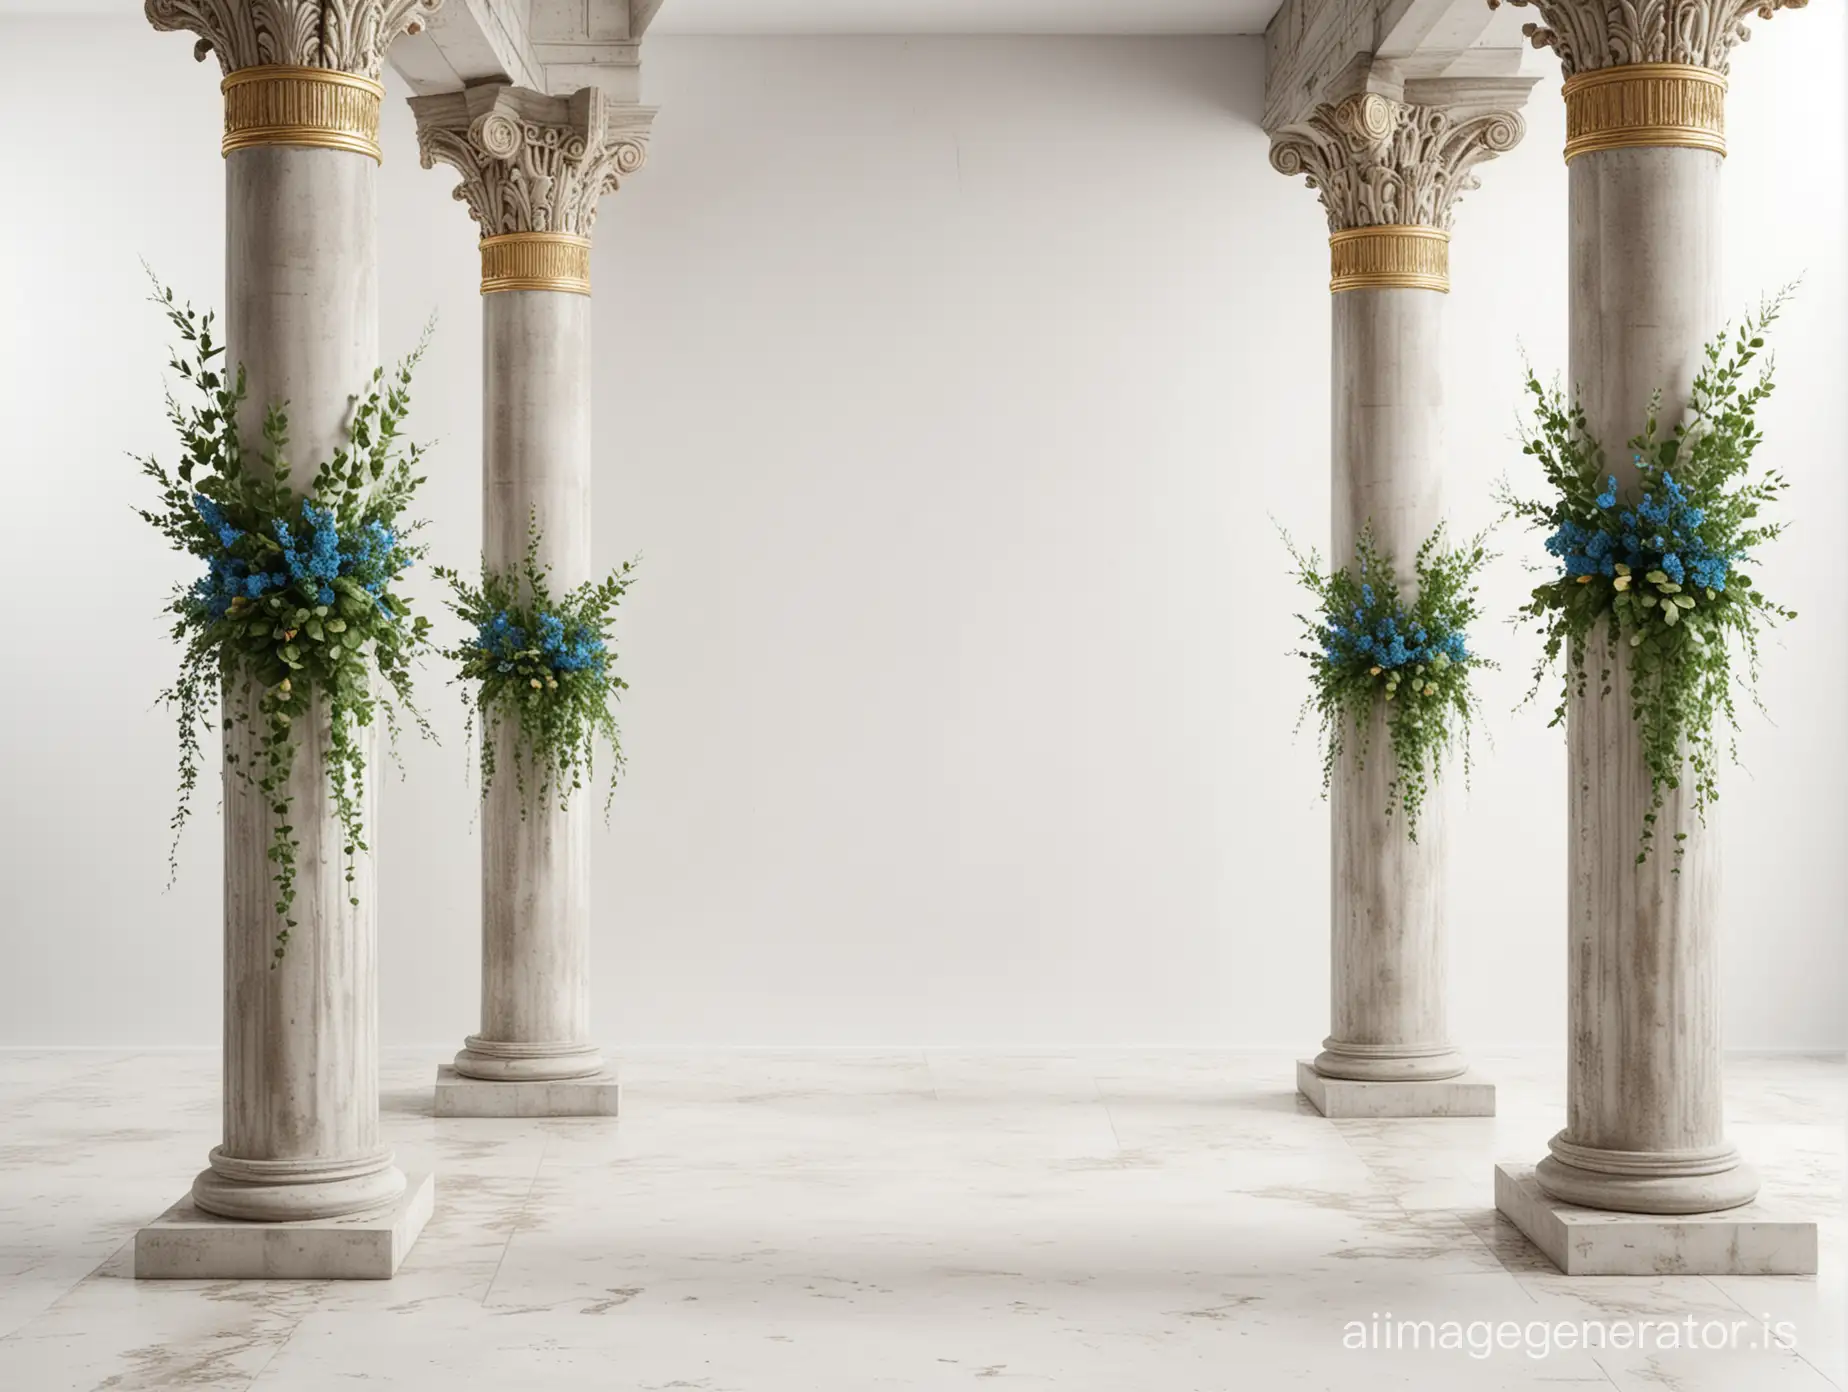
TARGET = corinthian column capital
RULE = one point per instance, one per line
(534, 168)
(1389, 173)
(1375, 161)
(297, 72)
(348, 36)
(1592, 34)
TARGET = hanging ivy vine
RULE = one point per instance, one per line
(297, 600)
(1655, 572)
(1368, 647)
(546, 665)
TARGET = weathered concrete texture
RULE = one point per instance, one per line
(535, 888)
(301, 1126)
(535, 942)
(1387, 374)
(458, 1096)
(186, 1244)
(536, 419)
(301, 1110)
(1746, 1241)
(1388, 954)
(301, 289)
(1644, 1130)
(1466, 1095)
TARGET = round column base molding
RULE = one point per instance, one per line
(1390, 1063)
(535, 261)
(503, 1061)
(1394, 256)
(290, 1191)
(1645, 104)
(1631, 1181)
(314, 107)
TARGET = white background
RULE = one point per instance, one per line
(949, 389)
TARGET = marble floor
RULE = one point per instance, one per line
(782, 1222)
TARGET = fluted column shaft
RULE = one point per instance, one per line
(1645, 140)
(301, 1031)
(301, 1103)
(535, 869)
(1388, 959)
(1389, 172)
(1644, 1129)
(534, 167)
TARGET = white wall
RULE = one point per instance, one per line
(948, 389)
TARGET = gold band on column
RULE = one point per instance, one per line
(535, 261)
(1645, 104)
(1397, 256)
(316, 107)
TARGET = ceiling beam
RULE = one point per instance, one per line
(470, 41)
(552, 46)
(1321, 50)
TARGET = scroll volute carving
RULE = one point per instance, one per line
(530, 162)
(1376, 161)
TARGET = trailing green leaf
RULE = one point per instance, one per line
(546, 665)
(1368, 647)
(296, 601)
(1651, 569)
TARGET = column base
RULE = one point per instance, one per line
(187, 1244)
(1747, 1241)
(460, 1096)
(1390, 1063)
(502, 1061)
(1466, 1095)
(1622, 1181)
(296, 1191)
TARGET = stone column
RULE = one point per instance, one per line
(301, 1106)
(1389, 172)
(1645, 145)
(533, 169)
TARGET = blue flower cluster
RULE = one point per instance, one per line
(369, 556)
(1662, 532)
(1384, 636)
(582, 652)
(579, 650)
(502, 639)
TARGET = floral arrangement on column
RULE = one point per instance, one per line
(1653, 573)
(1369, 647)
(297, 598)
(545, 664)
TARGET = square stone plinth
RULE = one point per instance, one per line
(1467, 1095)
(594, 1096)
(184, 1244)
(1748, 1241)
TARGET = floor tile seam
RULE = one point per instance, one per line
(1609, 1376)
(519, 1221)
(276, 1352)
(1740, 1305)
(1451, 1213)
(80, 1282)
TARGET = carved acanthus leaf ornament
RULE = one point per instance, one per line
(530, 162)
(348, 36)
(1592, 34)
(1379, 162)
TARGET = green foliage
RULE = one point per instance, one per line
(297, 601)
(1368, 647)
(1651, 568)
(546, 665)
